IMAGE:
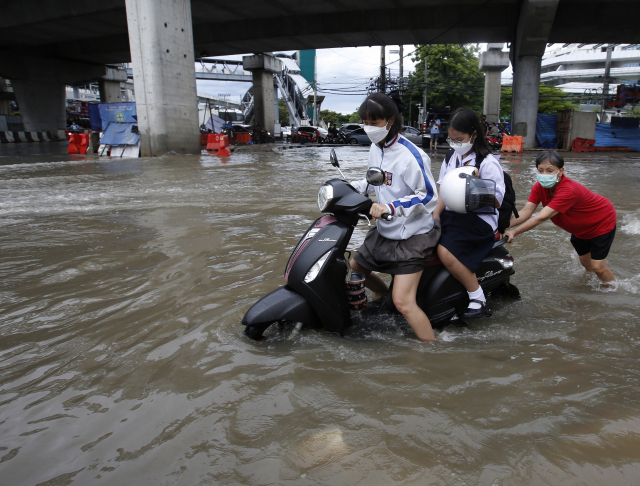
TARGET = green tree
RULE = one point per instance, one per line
(453, 78)
(354, 117)
(552, 100)
(334, 117)
(283, 113)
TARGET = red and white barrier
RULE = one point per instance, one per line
(219, 143)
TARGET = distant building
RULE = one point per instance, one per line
(579, 68)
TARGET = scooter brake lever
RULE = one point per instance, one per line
(365, 217)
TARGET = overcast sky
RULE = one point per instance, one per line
(349, 68)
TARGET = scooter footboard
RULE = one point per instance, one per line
(283, 303)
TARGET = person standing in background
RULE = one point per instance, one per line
(485, 125)
(434, 127)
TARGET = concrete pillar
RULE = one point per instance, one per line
(110, 91)
(532, 34)
(42, 105)
(162, 55)
(263, 99)
(5, 107)
(493, 61)
(6, 95)
(111, 83)
(526, 93)
(262, 67)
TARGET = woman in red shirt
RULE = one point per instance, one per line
(589, 217)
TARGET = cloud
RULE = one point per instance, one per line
(351, 69)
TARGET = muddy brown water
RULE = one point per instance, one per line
(122, 359)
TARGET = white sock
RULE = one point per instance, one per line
(477, 295)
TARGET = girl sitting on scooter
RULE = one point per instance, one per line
(401, 247)
(467, 238)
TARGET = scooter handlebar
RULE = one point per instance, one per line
(387, 217)
(501, 242)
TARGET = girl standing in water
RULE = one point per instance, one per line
(590, 218)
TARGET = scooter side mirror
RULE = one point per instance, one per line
(334, 159)
(376, 177)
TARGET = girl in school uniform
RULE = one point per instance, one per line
(401, 247)
(467, 238)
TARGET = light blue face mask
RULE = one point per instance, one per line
(548, 180)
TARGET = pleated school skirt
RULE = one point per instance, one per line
(468, 237)
(397, 257)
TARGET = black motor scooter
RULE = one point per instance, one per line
(315, 293)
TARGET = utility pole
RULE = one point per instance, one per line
(383, 71)
(401, 55)
(315, 91)
(410, 103)
(424, 92)
(315, 105)
(605, 86)
(423, 121)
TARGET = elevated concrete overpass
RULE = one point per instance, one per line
(44, 45)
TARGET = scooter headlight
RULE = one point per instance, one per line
(505, 262)
(315, 269)
(325, 195)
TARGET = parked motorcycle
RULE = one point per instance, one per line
(316, 274)
(495, 143)
(260, 135)
(339, 138)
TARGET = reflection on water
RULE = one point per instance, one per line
(122, 360)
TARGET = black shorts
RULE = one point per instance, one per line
(598, 247)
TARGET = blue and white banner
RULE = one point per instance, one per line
(117, 113)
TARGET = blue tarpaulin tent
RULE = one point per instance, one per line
(608, 136)
(120, 134)
(546, 131)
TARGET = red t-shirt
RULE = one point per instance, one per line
(581, 212)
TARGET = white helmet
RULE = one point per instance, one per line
(462, 192)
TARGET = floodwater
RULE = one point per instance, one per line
(122, 360)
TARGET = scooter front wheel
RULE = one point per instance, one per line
(255, 332)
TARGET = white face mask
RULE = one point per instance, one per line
(462, 148)
(376, 134)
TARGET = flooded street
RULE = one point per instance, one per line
(123, 283)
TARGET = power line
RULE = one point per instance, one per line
(361, 62)
(406, 55)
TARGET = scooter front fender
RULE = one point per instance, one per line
(283, 303)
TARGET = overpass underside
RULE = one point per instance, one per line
(53, 43)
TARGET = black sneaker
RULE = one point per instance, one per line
(483, 311)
